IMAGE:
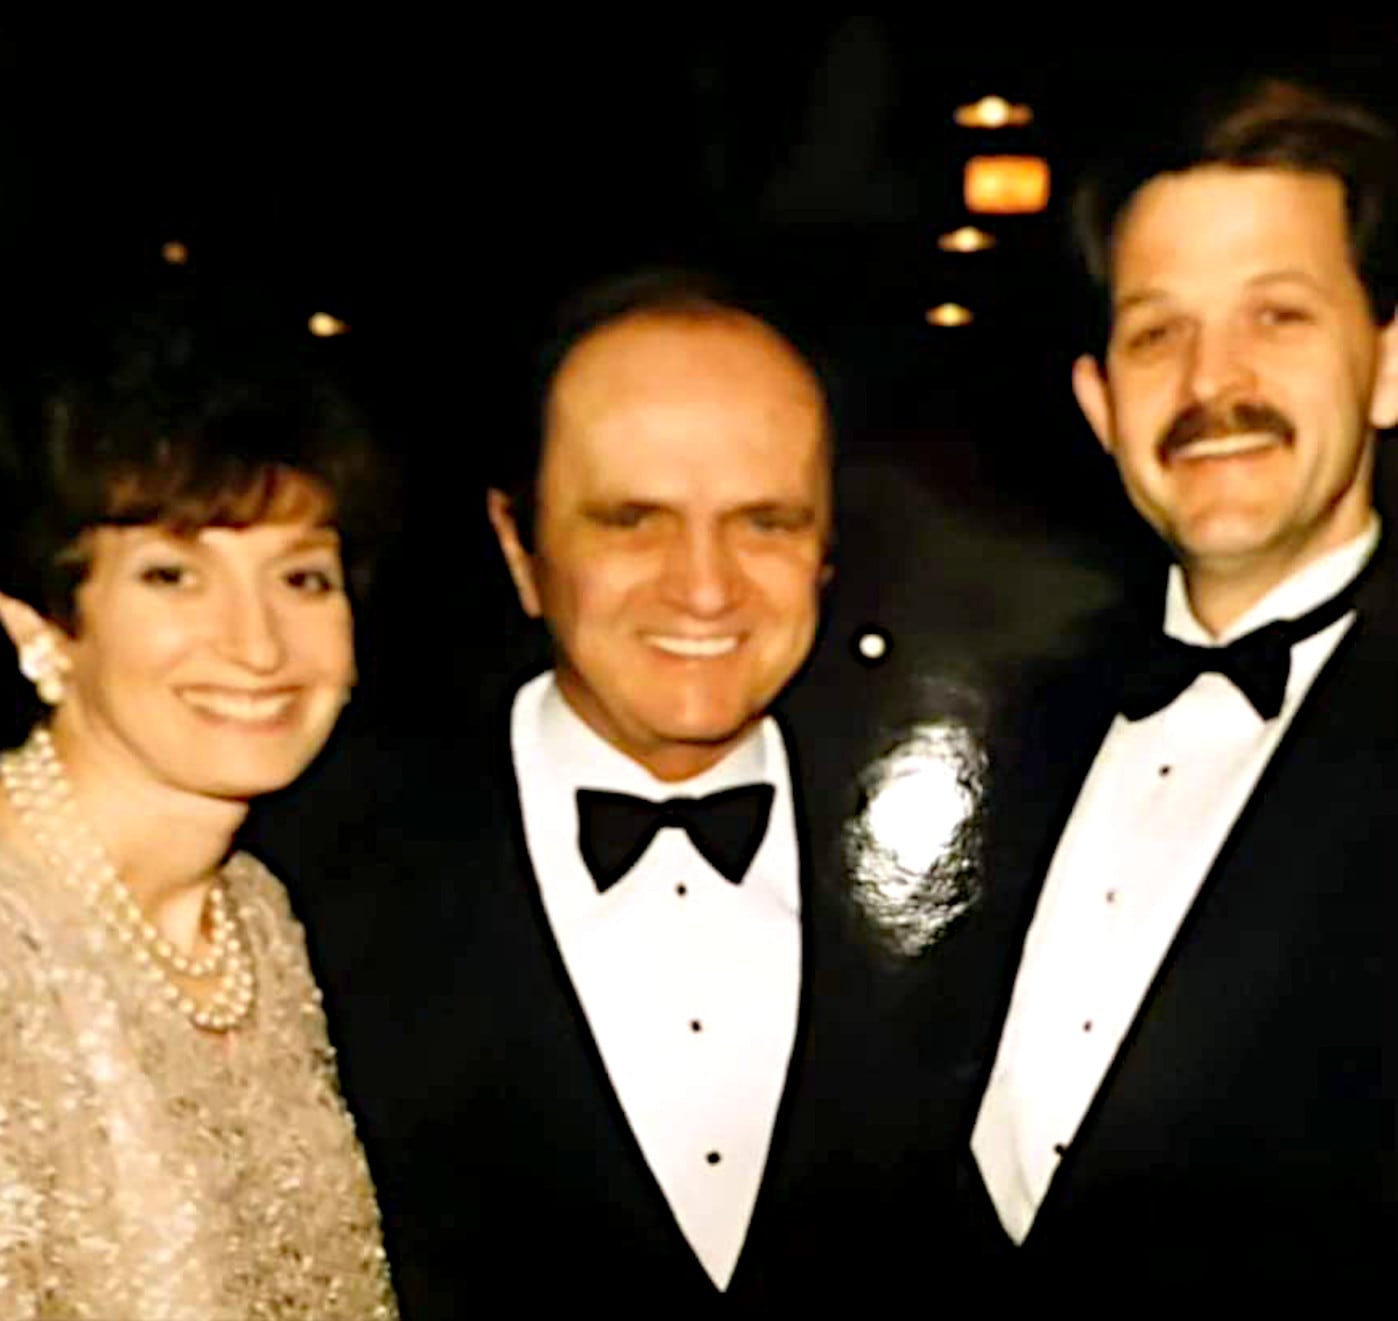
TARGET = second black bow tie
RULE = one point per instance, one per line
(1258, 663)
(727, 828)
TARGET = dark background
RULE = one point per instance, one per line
(438, 184)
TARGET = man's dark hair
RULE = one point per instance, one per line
(657, 292)
(164, 420)
(1266, 125)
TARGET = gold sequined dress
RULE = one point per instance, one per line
(152, 1172)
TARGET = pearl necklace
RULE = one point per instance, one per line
(38, 789)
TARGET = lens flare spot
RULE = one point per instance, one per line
(913, 847)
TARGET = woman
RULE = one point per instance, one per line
(172, 1140)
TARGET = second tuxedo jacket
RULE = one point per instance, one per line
(1245, 1132)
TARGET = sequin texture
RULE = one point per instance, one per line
(150, 1170)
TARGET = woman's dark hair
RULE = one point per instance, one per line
(168, 421)
(1263, 125)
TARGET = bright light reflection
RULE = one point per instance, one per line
(176, 253)
(992, 112)
(918, 810)
(913, 847)
(966, 239)
(323, 326)
(873, 646)
(949, 314)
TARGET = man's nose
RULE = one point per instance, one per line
(1219, 365)
(249, 631)
(702, 573)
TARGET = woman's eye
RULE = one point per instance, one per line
(165, 575)
(314, 582)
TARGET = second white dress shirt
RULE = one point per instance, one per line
(1161, 797)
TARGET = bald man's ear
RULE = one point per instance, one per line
(500, 509)
(1383, 407)
(1090, 390)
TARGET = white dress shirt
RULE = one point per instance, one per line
(690, 984)
(1152, 815)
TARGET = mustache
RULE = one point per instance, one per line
(1214, 422)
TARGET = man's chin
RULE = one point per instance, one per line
(709, 733)
(1225, 538)
(677, 749)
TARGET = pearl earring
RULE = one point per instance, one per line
(41, 663)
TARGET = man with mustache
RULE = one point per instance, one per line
(1196, 1065)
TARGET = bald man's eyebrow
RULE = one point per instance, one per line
(1289, 273)
(779, 513)
(615, 512)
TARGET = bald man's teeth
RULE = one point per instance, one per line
(1225, 446)
(696, 648)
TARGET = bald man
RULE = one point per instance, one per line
(608, 1025)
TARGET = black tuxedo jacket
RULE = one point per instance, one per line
(506, 1170)
(1245, 1132)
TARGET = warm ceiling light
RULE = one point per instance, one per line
(1006, 185)
(323, 326)
(949, 314)
(175, 253)
(966, 239)
(992, 112)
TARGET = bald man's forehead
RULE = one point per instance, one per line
(700, 415)
(681, 351)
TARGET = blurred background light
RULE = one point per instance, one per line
(966, 239)
(873, 645)
(949, 314)
(992, 112)
(175, 252)
(1006, 185)
(323, 326)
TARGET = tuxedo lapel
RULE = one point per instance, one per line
(564, 1081)
(786, 1140)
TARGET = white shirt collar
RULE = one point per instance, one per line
(1303, 591)
(581, 757)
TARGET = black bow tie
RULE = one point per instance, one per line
(727, 828)
(1258, 663)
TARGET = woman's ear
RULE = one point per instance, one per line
(43, 656)
(22, 622)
